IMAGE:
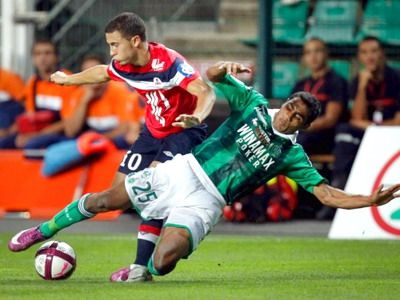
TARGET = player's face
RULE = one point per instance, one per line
(314, 55)
(370, 55)
(291, 117)
(44, 57)
(121, 49)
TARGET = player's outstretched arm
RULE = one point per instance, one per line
(96, 74)
(334, 197)
(216, 72)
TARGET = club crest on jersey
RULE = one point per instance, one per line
(186, 69)
(157, 65)
(157, 81)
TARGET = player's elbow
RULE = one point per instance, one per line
(324, 196)
(206, 91)
(325, 200)
(211, 95)
(206, 99)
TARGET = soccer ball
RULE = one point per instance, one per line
(55, 260)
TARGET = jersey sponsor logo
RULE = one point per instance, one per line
(260, 133)
(254, 149)
(262, 136)
(261, 115)
(185, 69)
(157, 65)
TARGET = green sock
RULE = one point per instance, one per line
(150, 267)
(71, 214)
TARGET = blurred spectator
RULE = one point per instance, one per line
(330, 89)
(108, 108)
(11, 91)
(41, 125)
(376, 95)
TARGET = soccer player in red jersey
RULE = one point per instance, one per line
(177, 102)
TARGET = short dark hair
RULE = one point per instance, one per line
(128, 24)
(317, 39)
(47, 41)
(93, 56)
(312, 103)
(371, 38)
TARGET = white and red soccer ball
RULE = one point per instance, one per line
(55, 260)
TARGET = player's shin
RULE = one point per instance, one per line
(71, 214)
(149, 232)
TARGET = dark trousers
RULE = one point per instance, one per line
(347, 142)
(320, 142)
(39, 142)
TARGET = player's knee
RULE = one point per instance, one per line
(171, 249)
(162, 267)
(164, 261)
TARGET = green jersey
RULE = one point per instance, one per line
(246, 151)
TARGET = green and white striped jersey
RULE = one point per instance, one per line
(246, 151)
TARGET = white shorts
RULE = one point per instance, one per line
(179, 191)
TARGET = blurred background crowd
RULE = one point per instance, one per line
(344, 52)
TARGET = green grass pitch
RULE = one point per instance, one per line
(224, 267)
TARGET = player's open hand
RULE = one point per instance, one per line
(380, 196)
(234, 68)
(186, 121)
(59, 78)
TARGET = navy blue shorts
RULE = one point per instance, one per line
(9, 111)
(147, 148)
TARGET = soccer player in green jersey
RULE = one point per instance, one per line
(253, 145)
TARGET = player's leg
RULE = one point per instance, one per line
(43, 141)
(185, 228)
(180, 143)
(175, 243)
(140, 156)
(149, 230)
(82, 209)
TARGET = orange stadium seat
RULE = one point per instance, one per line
(24, 190)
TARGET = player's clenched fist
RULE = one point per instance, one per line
(59, 78)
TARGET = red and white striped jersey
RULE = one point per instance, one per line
(162, 82)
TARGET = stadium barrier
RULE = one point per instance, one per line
(25, 192)
(377, 162)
